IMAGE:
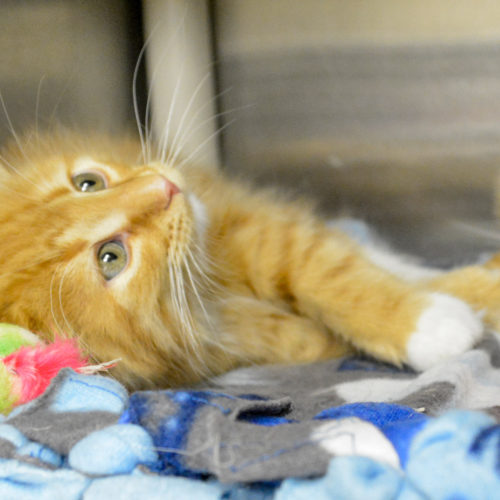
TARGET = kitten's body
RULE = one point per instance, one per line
(218, 275)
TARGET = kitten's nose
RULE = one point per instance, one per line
(171, 188)
(149, 191)
(160, 184)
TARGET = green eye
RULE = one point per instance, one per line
(89, 181)
(112, 259)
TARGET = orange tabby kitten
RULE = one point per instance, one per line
(183, 274)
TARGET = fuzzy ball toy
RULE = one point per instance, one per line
(27, 365)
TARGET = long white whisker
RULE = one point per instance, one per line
(203, 274)
(175, 299)
(486, 233)
(52, 311)
(183, 304)
(189, 130)
(197, 295)
(163, 141)
(195, 350)
(11, 127)
(72, 331)
(209, 138)
(9, 165)
(188, 109)
(18, 142)
(61, 308)
(37, 104)
(189, 348)
(149, 129)
(134, 97)
(18, 193)
(33, 264)
(52, 116)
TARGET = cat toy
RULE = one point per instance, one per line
(27, 364)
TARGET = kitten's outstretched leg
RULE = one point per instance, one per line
(456, 336)
(479, 286)
(327, 278)
(383, 315)
(281, 254)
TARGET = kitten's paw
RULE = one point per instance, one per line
(446, 328)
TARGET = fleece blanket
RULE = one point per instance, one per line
(350, 428)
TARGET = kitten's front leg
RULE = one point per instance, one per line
(379, 313)
(285, 256)
(479, 286)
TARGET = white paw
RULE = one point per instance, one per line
(448, 327)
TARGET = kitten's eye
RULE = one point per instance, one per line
(89, 181)
(112, 259)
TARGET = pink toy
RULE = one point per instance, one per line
(27, 365)
(33, 367)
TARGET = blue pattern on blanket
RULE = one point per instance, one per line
(282, 433)
(398, 423)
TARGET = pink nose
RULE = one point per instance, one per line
(152, 191)
(170, 188)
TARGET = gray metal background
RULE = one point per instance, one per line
(405, 135)
(68, 61)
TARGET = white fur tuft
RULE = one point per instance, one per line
(448, 327)
(200, 215)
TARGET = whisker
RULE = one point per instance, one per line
(486, 233)
(19, 145)
(187, 110)
(175, 299)
(195, 352)
(37, 104)
(148, 126)
(163, 142)
(18, 172)
(11, 127)
(82, 343)
(61, 308)
(140, 126)
(173, 153)
(200, 146)
(189, 348)
(135, 102)
(184, 311)
(198, 297)
(22, 194)
(199, 125)
(203, 274)
(52, 311)
(52, 118)
(33, 264)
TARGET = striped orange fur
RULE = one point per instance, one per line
(217, 274)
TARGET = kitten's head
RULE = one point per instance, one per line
(96, 245)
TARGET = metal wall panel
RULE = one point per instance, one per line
(388, 110)
(68, 61)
